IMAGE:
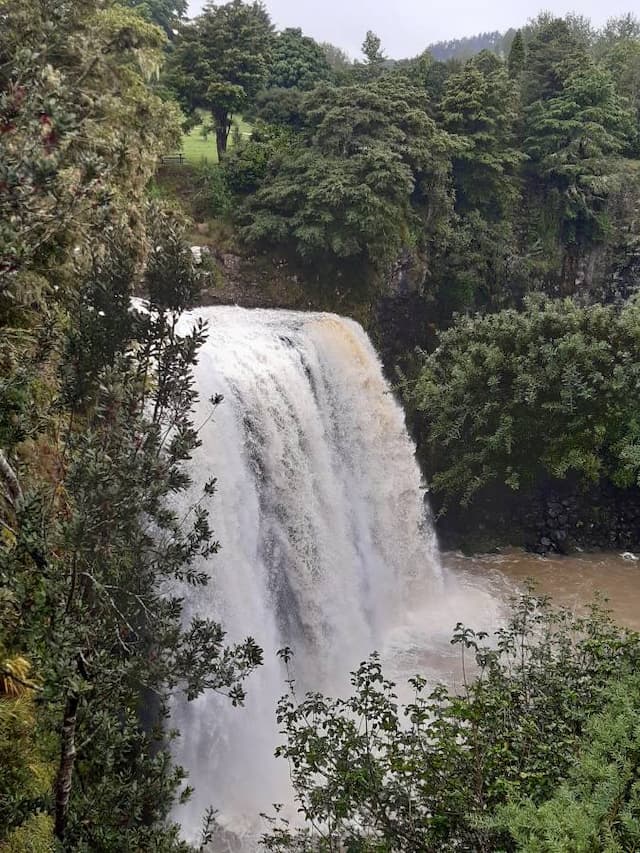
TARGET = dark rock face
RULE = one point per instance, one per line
(559, 517)
(400, 325)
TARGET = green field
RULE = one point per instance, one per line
(198, 149)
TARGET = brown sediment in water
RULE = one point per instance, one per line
(573, 581)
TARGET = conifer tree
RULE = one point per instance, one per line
(516, 58)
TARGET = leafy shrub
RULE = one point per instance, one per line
(598, 807)
(370, 775)
(212, 196)
(514, 396)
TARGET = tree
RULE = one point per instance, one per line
(480, 106)
(434, 775)
(95, 430)
(297, 61)
(484, 387)
(372, 50)
(620, 54)
(354, 184)
(516, 61)
(623, 29)
(166, 14)
(571, 140)
(337, 59)
(221, 61)
(553, 52)
(42, 118)
(464, 48)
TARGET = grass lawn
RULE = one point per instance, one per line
(196, 148)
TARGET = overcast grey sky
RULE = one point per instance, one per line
(407, 26)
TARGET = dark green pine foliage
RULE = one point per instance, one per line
(572, 139)
(480, 106)
(477, 261)
(552, 54)
(221, 61)
(354, 186)
(516, 60)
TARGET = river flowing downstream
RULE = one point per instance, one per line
(326, 544)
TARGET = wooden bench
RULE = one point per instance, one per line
(173, 158)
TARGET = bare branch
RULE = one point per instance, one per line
(14, 492)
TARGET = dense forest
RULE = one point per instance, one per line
(480, 214)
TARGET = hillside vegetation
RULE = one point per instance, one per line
(500, 197)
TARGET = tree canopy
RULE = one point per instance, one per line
(221, 61)
(297, 61)
(491, 380)
(349, 187)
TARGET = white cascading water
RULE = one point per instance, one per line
(326, 547)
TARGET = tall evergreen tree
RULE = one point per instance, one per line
(553, 52)
(480, 106)
(571, 138)
(516, 58)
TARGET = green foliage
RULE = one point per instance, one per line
(246, 167)
(479, 105)
(372, 50)
(94, 439)
(337, 59)
(371, 775)
(553, 52)
(598, 806)
(570, 140)
(26, 767)
(45, 111)
(282, 107)
(517, 54)
(297, 61)
(351, 185)
(492, 380)
(477, 265)
(221, 61)
(212, 197)
(164, 13)
(34, 836)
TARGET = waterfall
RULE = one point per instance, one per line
(325, 542)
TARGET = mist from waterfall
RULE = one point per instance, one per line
(326, 546)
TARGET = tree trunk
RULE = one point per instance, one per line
(65, 770)
(13, 490)
(222, 123)
(222, 137)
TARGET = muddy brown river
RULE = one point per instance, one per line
(477, 592)
(572, 581)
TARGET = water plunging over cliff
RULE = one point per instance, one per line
(325, 543)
